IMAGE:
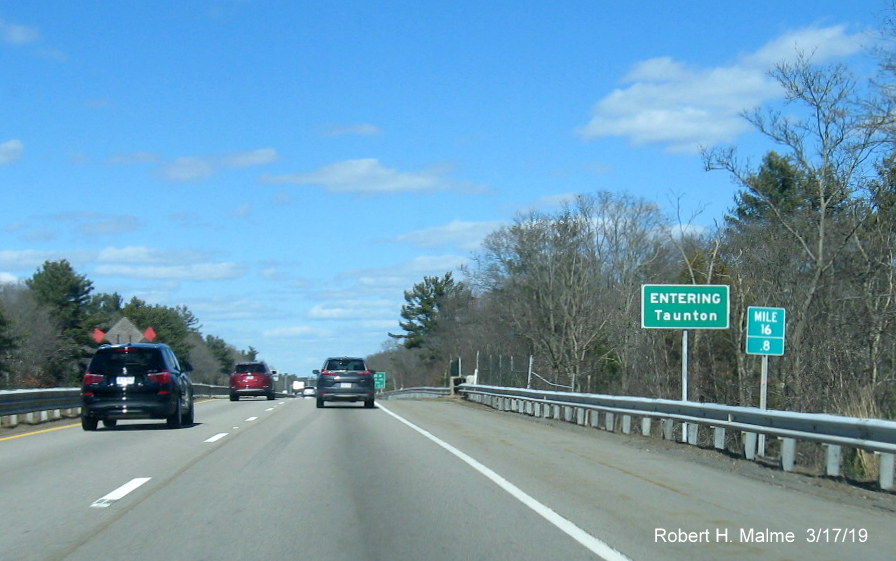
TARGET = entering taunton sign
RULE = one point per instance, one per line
(684, 306)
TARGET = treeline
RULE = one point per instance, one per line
(812, 229)
(47, 323)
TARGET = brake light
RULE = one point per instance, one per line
(327, 373)
(90, 378)
(160, 377)
(367, 373)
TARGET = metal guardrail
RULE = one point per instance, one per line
(20, 402)
(415, 393)
(834, 431)
(29, 402)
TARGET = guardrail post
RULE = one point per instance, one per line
(750, 445)
(692, 433)
(788, 453)
(886, 471)
(668, 429)
(11, 421)
(610, 422)
(718, 438)
(833, 463)
(645, 426)
(595, 419)
(626, 424)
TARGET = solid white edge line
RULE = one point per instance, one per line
(120, 493)
(595, 545)
(217, 437)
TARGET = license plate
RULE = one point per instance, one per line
(250, 377)
(124, 380)
(345, 385)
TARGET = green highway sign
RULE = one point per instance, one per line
(765, 330)
(684, 306)
(379, 380)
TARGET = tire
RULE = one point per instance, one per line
(368, 403)
(188, 417)
(110, 423)
(234, 397)
(271, 396)
(88, 423)
(320, 403)
(176, 419)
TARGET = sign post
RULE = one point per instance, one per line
(684, 306)
(765, 336)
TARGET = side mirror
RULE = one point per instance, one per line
(316, 372)
(187, 366)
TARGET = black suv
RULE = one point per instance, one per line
(345, 378)
(136, 381)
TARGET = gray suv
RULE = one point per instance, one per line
(345, 379)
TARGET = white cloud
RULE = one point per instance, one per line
(193, 272)
(363, 129)
(188, 169)
(296, 331)
(145, 255)
(195, 168)
(821, 43)
(17, 34)
(135, 158)
(461, 234)
(251, 158)
(683, 108)
(368, 175)
(352, 309)
(404, 275)
(10, 151)
(221, 309)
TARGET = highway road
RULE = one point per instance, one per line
(410, 480)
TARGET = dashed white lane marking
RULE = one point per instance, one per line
(250, 419)
(119, 493)
(597, 546)
(269, 409)
(217, 437)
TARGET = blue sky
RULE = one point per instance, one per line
(286, 169)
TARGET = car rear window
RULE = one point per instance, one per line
(132, 361)
(354, 365)
(250, 367)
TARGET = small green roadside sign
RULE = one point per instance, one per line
(379, 380)
(765, 330)
(684, 306)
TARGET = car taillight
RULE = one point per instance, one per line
(160, 377)
(90, 378)
(327, 373)
(367, 373)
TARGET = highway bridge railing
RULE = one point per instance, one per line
(754, 425)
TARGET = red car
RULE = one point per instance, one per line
(252, 379)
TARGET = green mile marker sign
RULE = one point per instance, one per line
(684, 306)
